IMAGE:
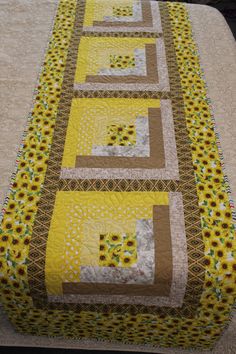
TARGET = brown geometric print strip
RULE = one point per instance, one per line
(151, 67)
(186, 185)
(146, 14)
(156, 159)
(122, 94)
(163, 266)
(118, 185)
(122, 34)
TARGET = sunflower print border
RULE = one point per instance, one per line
(218, 296)
(219, 234)
(33, 157)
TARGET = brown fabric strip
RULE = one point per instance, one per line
(115, 289)
(151, 77)
(151, 63)
(147, 19)
(156, 159)
(163, 266)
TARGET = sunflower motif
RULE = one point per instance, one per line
(3, 249)
(11, 206)
(229, 289)
(21, 196)
(220, 252)
(112, 262)
(28, 216)
(127, 260)
(233, 266)
(19, 229)
(21, 271)
(103, 247)
(116, 251)
(209, 261)
(130, 244)
(16, 243)
(224, 267)
(26, 240)
(102, 238)
(17, 255)
(114, 238)
(7, 223)
(5, 239)
(35, 186)
(103, 257)
(3, 267)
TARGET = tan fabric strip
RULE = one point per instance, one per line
(152, 72)
(115, 289)
(151, 62)
(156, 159)
(147, 19)
(163, 247)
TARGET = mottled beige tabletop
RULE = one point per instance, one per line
(25, 28)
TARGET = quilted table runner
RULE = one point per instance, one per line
(119, 224)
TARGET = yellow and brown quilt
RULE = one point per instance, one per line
(119, 224)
